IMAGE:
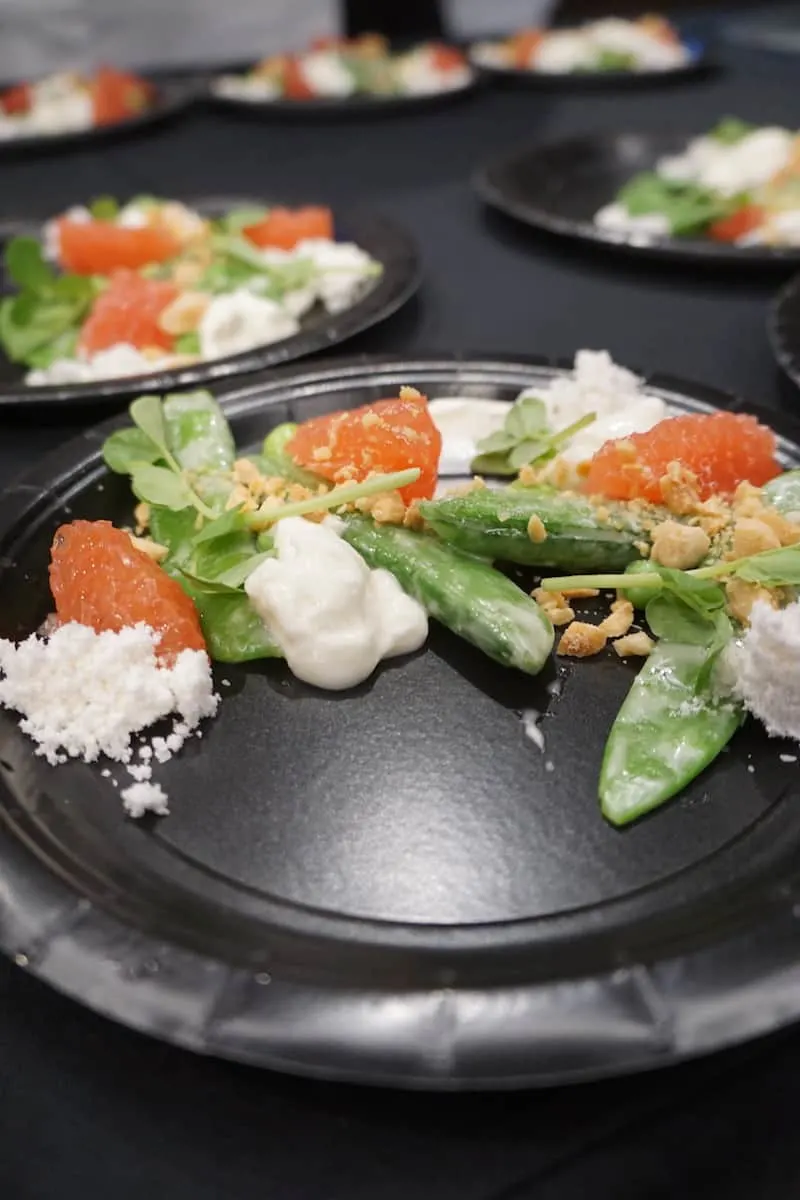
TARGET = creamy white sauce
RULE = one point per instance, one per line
(779, 229)
(252, 88)
(418, 74)
(116, 362)
(597, 385)
(326, 75)
(238, 321)
(344, 270)
(626, 37)
(615, 218)
(462, 422)
(333, 618)
(740, 167)
(580, 49)
(562, 52)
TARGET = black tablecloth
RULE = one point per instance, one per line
(89, 1109)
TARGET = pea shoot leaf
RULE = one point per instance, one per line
(127, 449)
(160, 485)
(773, 568)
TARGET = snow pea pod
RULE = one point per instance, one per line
(539, 527)
(783, 492)
(233, 630)
(465, 594)
(669, 728)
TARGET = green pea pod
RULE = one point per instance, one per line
(579, 536)
(639, 597)
(200, 438)
(783, 493)
(466, 595)
(233, 630)
(670, 727)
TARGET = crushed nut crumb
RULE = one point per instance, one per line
(581, 640)
(620, 620)
(536, 530)
(638, 644)
(679, 546)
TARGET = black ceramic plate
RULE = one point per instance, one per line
(350, 106)
(391, 885)
(171, 97)
(784, 328)
(697, 65)
(387, 242)
(558, 187)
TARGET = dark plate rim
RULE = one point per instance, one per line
(783, 328)
(642, 1014)
(488, 184)
(172, 97)
(701, 63)
(398, 283)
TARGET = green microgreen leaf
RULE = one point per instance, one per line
(127, 449)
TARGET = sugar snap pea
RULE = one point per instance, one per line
(783, 492)
(669, 728)
(465, 594)
(539, 527)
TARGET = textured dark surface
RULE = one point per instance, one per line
(89, 1108)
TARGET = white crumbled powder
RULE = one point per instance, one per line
(765, 668)
(141, 798)
(140, 771)
(84, 694)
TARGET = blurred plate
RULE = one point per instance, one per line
(349, 106)
(698, 64)
(170, 99)
(784, 328)
(559, 186)
(384, 240)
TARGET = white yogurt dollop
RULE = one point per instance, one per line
(729, 169)
(462, 422)
(333, 617)
(326, 75)
(614, 394)
(238, 321)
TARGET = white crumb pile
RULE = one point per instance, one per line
(765, 668)
(85, 695)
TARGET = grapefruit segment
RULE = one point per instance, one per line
(99, 247)
(128, 311)
(721, 449)
(390, 435)
(100, 579)
(285, 227)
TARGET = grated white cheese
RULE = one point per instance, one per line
(141, 798)
(84, 694)
(765, 668)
